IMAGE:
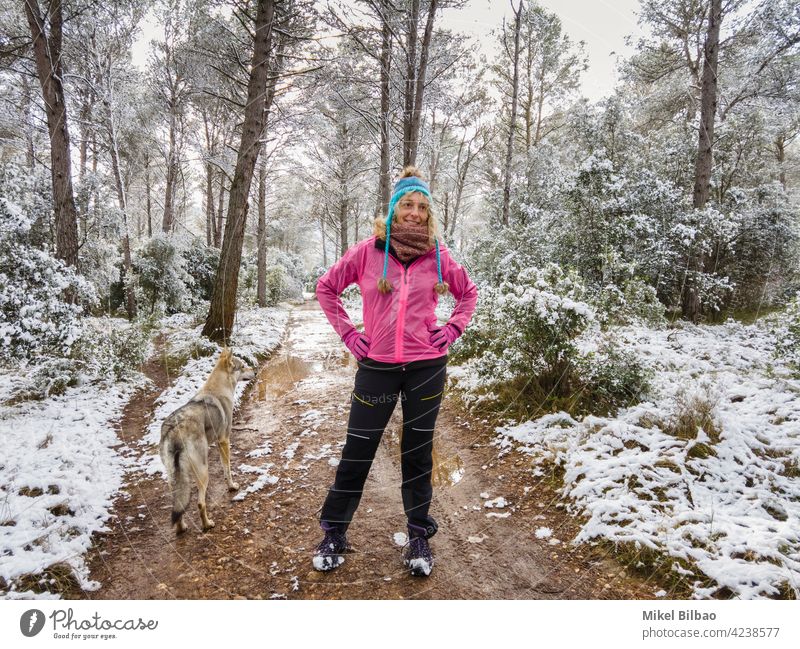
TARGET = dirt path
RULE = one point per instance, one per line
(287, 439)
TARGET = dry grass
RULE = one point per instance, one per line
(694, 412)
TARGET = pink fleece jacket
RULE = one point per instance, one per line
(398, 323)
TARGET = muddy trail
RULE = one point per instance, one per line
(287, 438)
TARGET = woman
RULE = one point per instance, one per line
(402, 352)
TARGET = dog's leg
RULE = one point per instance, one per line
(202, 485)
(180, 524)
(225, 453)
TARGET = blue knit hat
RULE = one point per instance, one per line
(402, 187)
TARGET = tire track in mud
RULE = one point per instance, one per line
(287, 438)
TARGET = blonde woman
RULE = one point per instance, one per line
(401, 354)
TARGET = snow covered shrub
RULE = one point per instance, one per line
(161, 269)
(635, 304)
(522, 341)
(284, 277)
(313, 277)
(112, 348)
(202, 262)
(101, 264)
(766, 259)
(35, 318)
(608, 378)
(496, 255)
(295, 273)
(50, 378)
(275, 280)
(707, 235)
(787, 334)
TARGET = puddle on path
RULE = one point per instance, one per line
(310, 349)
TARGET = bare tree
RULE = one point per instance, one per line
(415, 79)
(219, 322)
(705, 150)
(47, 52)
(513, 120)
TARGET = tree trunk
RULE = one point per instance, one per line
(209, 203)
(324, 247)
(127, 275)
(261, 289)
(219, 323)
(148, 200)
(416, 115)
(384, 189)
(168, 221)
(702, 175)
(343, 224)
(708, 108)
(220, 211)
(411, 67)
(512, 125)
(47, 52)
(539, 110)
(95, 187)
(27, 101)
(780, 156)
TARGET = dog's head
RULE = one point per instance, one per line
(235, 367)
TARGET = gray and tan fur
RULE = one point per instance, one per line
(187, 433)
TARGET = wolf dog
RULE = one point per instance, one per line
(187, 433)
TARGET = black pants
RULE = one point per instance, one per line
(371, 405)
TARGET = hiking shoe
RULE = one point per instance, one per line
(328, 554)
(418, 557)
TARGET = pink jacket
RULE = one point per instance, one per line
(398, 323)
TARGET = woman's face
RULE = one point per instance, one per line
(412, 208)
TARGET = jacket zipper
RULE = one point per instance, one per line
(401, 312)
(401, 317)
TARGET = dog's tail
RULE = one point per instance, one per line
(174, 456)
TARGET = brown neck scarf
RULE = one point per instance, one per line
(410, 240)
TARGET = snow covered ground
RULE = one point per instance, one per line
(62, 464)
(707, 471)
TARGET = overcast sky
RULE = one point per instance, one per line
(602, 24)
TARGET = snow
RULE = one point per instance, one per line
(543, 533)
(63, 464)
(327, 563)
(498, 502)
(264, 479)
(420, 566)
(58, 478)
(723, 498)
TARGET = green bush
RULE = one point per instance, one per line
(607, 379)
(163, 279)
(112, 349)
(523, 334)
(202, 262)
(636, 303)
(786, 328)
(50, 378)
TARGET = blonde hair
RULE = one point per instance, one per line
(379, 225)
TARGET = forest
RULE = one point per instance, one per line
(175, 175)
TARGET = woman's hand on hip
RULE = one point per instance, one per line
(443, 337)
(358, 344)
